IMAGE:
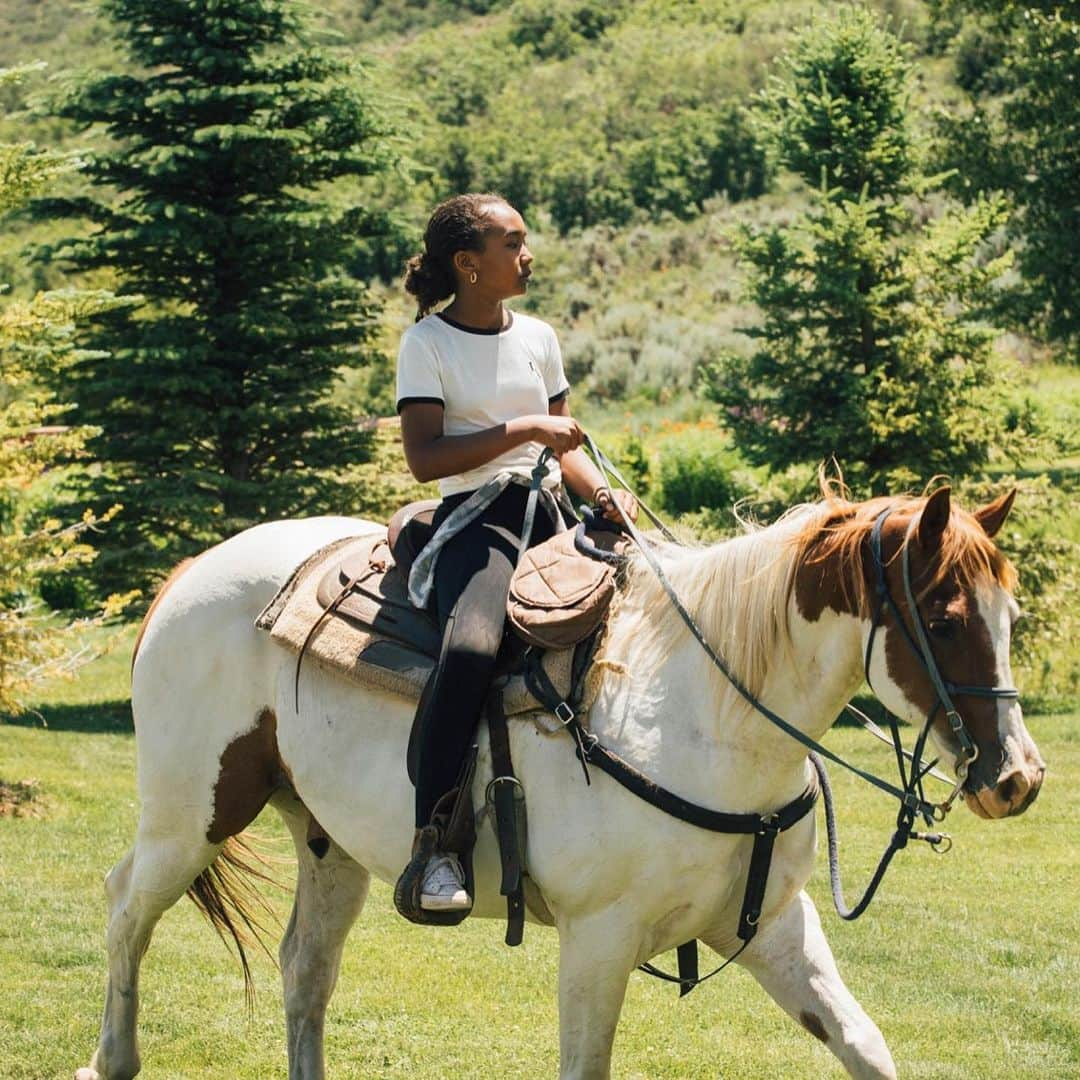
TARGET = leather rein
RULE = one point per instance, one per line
(766, 827)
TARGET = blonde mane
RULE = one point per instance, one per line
(738, 591)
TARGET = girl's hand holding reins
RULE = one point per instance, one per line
(616, 505)
(561, 433)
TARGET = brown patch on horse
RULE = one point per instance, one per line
(967, 661)
(835, 570)
(952, 557)
(820, 583)
(251, 771)
(814, 1025)
(165, 586)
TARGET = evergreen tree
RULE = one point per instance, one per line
(36, 342)
(867, 349)
(1020, 63)
(216, 201)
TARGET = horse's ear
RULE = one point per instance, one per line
(992, 516)
(934, 518)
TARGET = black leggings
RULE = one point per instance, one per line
(472, 579)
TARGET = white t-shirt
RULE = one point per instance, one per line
(482, 379)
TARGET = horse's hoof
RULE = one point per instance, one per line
(87, 1074)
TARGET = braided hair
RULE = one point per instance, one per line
(458, 224)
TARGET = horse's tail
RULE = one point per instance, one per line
(227, 893)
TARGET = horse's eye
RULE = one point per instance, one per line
(944, 629)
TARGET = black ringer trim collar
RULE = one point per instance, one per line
(474, 330)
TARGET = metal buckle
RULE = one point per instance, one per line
(770, 823)
(564, 713)
(488, 796)
(940, 842)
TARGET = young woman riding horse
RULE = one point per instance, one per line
(793, 610)
(481, 391)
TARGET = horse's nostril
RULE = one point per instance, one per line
(1013, 787)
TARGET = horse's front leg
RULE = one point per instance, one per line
(793, 962)
(597, 953)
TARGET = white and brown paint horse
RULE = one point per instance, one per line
(218, 736)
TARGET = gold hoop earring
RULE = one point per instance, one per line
(472, 278)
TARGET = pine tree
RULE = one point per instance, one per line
(36, 343)
(220, 200)
(1019, 135)
(868, 349)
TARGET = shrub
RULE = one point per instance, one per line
(698, 471)
(582, 191)
(871, 344)
(705, 152)
(557, 30)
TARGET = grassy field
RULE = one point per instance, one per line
(970, 963)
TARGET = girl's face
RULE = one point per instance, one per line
(503, 268)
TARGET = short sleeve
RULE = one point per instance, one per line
(418, 378)
(558, 386)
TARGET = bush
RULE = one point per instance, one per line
(582, 191)
(630, 456)
(699, 471)
(704, 153)
(557, 30)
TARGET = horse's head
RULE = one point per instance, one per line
(934, 596)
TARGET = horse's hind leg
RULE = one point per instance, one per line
(793, 962)
(146, 882)
(330, 892)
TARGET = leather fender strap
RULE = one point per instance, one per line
(501, 793)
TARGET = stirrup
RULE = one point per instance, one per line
(409, 885)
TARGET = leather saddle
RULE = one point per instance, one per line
(370, 587)
(553, 605)
(559, 594)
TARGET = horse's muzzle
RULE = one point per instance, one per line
(1014, 791)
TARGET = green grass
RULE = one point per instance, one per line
(968, 962)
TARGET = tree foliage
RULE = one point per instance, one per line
(213, 197)
(575, 108)
(36, 343)
(869, 348)
(1020, 63)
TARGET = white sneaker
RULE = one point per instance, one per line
(444, 885)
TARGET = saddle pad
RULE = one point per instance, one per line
(371, 659)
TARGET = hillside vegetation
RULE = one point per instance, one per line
(623, 131)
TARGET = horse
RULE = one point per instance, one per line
(790, 607)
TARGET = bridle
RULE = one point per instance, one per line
(919, 643)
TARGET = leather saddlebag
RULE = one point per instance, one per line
(558, 595)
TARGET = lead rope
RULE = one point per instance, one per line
(939, 842)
